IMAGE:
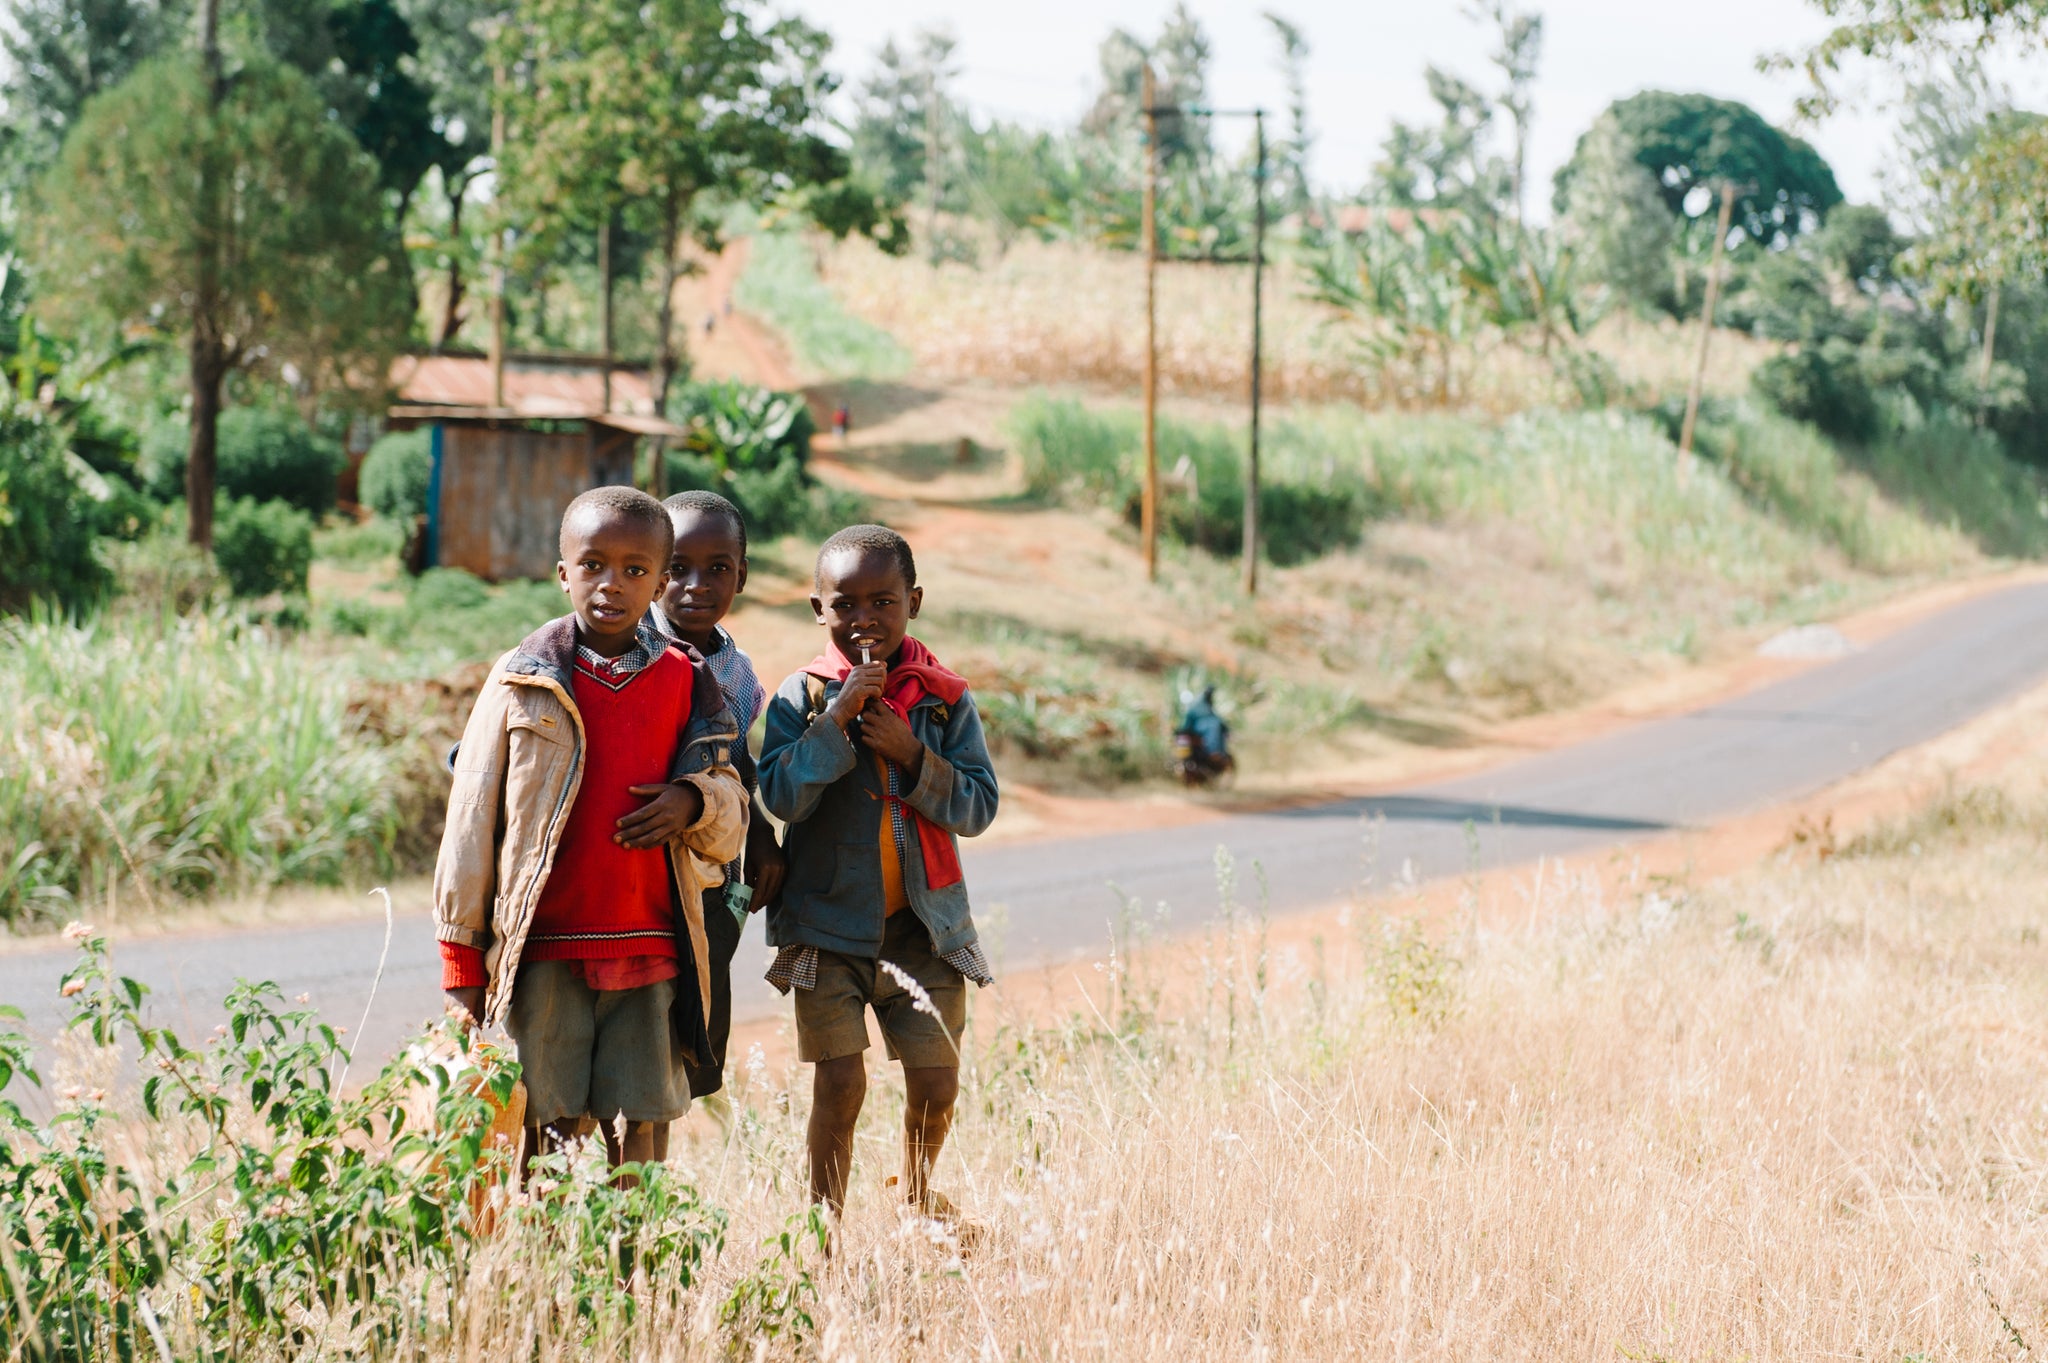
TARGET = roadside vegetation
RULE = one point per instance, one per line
(1788, 1115)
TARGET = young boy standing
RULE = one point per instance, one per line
(874, 757)
(707, 568)
(595, 800)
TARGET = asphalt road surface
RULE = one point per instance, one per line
(1048, 901)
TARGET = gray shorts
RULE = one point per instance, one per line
(832, 1018)
(596, 1053)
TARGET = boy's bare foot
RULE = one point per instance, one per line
(967, 1229)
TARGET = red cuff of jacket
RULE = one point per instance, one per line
(461, 967)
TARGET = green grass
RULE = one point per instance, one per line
(1766, 496)
(186, 757)
(781, 284)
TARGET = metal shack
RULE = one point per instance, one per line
(501, 475)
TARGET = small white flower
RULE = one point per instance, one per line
(75, 931)
(72, 987)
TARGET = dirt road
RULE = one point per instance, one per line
(1046, 901)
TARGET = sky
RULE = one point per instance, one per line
(1035, 62)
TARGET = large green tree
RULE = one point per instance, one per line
(60, 53)
(228, 211)
(1692, 142)
(662, 111)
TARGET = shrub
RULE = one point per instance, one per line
(779, 501)
(1308, 506)
(264, 547)
(1824, 385)
(263, 454)
(47, 518)
(741, 426)
(396, 473)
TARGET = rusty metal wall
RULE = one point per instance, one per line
(502, 494)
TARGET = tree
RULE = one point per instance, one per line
(451, 59)
(60, 53)
(1519, 36)
(1618, 221)
(1290, 154)
(1898, 31)
(1445, 166)
(1692, 143)
(248, 224)
(664, 110)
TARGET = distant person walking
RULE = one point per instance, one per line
(842, 422)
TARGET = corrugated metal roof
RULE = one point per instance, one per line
(551, 388)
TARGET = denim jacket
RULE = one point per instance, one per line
(517, 771)
(829, 793)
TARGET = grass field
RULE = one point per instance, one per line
(1791, 1115)
(1060, 313)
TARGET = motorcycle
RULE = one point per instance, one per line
(1196, 766)
(1201, 742)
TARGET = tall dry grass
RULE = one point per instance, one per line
(1795, 1116)
(1064, 313)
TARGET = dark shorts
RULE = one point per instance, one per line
(831, 1019)
(722, 934)
(598, 1053)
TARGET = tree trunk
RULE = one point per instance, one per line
(451, 308)
(208, 370)
(208, 351)
(665, 324)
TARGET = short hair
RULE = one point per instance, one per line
(711, 504)
(621, 503)
(867, 539)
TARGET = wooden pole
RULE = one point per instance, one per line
(498, 236)
(931, 163)
(1147, 228)
(1990, 339)
(1251, 463)
(1699, 363)
(604, 272)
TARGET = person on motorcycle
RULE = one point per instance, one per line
(1200, 722)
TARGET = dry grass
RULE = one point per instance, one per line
(1062, 313)
(1794, 1116)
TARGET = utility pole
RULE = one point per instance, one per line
(207, 353)
(498, 235)
(1699, 363)
(604, 272)
(931, 161)
(1251, 463)
(1147, 228)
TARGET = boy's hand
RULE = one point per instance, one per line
(862, 684)
(766, 869)
(664, 818)
(469, 1001)
(884, 732)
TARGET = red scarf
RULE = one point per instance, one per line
(915, 675)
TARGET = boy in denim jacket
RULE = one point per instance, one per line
(874, 757)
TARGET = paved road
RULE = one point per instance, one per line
(1054, 900)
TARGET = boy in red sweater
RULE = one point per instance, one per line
(595, 800)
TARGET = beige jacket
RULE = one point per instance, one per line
(517, 770)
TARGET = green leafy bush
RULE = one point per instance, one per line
(263, 454)
(299, 1201)
(396, 473)
(1085, 457)
(740, 426)
(1824, 384)
(47, 518)
(778, 501)
(264, 547)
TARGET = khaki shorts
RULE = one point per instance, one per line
(831, 1019)
(596, 1053)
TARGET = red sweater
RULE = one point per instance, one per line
(604, 901)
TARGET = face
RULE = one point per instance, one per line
(612, 568)
(863, 599)
(706, 570)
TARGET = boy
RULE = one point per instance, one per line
(594, 801)
(706, 570)
(874, 757)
